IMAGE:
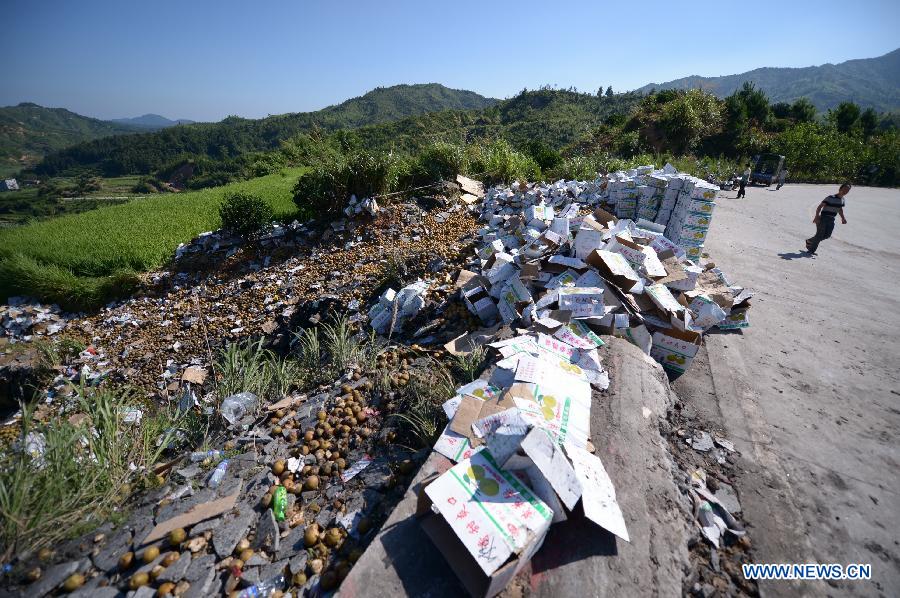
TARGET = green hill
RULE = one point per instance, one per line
(234, 136)
(554, 117)
(28, 132)
(870, 82)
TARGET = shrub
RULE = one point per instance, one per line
(497, 162)
(244, 213)
(436, 162)
(362, 173)
(144, 185)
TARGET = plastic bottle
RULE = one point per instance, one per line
(279, 503)
(264, 588)
(203, 455)
(216, 478)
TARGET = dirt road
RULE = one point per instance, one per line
(811, 392)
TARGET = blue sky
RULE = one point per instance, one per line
(206, 59)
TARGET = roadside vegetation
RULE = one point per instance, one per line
(70, 474)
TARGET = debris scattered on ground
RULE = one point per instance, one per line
(22, 319)
(295, 492)
(558, 270)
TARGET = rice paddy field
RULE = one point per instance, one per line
(42, 258)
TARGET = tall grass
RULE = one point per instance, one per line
(247, 366)
(421, 413)
(82, 475)
(76, 258)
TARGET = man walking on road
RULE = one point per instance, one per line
(831, 207)
(742, 191)
(781, 177)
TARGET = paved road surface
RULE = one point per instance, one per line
(811, 392)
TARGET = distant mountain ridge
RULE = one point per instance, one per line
(234, 136)
(28, 132)
(870, 82)
(152, 121)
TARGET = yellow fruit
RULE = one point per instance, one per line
(126, 560)
(333, 538)
(34, 575)
(299, 579)
(166, 588)
(150, 553)
(311, 483)
(311, 535)
(177, 536)
(246, 554)
(278, 467)
(74, 581)
(138, 580)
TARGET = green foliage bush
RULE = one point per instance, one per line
(328, 186)
(437, 161)
(497, 162)
(245, 214)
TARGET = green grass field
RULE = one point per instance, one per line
(19, 207)
(70, 259)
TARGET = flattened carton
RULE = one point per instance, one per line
(675, 349)
(512, 294)
(614, 268)
(583, 302)
(485, 522)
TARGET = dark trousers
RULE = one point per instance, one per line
(824, 228)
(742, 190)
(778, 186)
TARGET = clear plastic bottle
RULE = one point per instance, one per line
(216, 478)
(263, 589)
(203, 455)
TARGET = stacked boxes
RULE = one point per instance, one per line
(690, 220)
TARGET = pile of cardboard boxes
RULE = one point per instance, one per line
(563, 264)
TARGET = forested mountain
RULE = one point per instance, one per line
(151, 121)
(553, 117)
(28, 132)
(869, 82)
(234, 136)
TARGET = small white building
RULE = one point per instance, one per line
(9, 185)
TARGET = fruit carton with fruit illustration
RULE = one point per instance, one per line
(485, 521)
(675, 349)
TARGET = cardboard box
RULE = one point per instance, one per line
(512, 297)
(663, 299)
(614, 268)
(675, 349)
(583, 302)
(485, 522)
(479, 302)
(588, 238)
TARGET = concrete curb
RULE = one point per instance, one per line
(577, 558)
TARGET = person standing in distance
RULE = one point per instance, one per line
(831, 207)
(781, 178)
(742, 191)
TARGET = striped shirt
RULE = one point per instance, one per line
(833, 204)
